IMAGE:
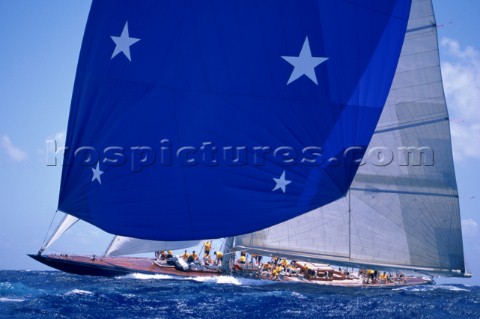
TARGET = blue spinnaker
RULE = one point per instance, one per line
(205, 119)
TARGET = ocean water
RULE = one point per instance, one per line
(52, 294)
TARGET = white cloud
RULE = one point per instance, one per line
(54, 148)
(14, 152)
(471, 237)
(58, 138)
(469, 228)
(461, 78)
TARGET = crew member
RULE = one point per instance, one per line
(163, 255)
(208, 246)
(185, 255)
(219, 258)
(192, 257)
(207, 260)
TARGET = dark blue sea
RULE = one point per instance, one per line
(51, 294)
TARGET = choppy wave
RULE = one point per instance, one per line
(44, 295)
(229, 280)
(450, 288)
(147, 277)
(234, 281)
(11, 299)
(78, 292)
(431, 288)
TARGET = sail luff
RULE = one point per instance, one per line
(110, 246)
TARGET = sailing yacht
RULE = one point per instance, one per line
(392, 206)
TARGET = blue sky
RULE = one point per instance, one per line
(39, 51)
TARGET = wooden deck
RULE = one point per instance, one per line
(115, 266)
(119, 266)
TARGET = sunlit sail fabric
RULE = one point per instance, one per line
(65, 224)
(126, 245)
(223, 117)
(402, 210)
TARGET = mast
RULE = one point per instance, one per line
(228, 254)
(349, 226)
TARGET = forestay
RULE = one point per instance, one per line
(66, 222)
(402, 209)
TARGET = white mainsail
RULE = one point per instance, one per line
(121, 245)
(402, 209)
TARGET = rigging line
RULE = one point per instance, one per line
(427, 26)
(349, 226)
(108, 248)
(401, 127)
(415, 85)
(376, 190)
(425, 68)
(49, 227)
